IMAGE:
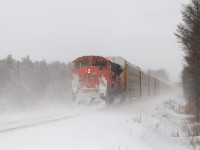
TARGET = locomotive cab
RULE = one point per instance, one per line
(95, 77)
(90, 77)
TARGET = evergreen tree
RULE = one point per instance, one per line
(188, 34)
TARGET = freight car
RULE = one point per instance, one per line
(96, 78)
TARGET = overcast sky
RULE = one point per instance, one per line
(141, 31)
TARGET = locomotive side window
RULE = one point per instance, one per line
(101, 64)
(77, 66)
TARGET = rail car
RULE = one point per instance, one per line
(96, 78)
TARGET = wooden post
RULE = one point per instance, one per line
(126, 78)
(149, 85)
(140, 83)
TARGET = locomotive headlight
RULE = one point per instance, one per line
(88, 70)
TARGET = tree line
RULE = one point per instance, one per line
(30, 82)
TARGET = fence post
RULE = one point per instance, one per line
(149, 84)
(140, 84)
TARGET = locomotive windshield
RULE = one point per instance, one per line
(84, 63)
(91, 61)
(81, 63)
(101, 64)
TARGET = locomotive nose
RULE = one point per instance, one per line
(88, 78)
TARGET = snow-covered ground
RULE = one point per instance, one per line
(149, 124)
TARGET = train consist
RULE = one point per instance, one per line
(96, 78)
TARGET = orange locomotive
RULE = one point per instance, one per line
(95, 78)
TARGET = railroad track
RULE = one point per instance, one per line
(25, 123)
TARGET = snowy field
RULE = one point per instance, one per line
(149, 124)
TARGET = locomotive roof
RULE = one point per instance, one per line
(91, 57)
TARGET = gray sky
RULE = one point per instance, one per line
(141, 31)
